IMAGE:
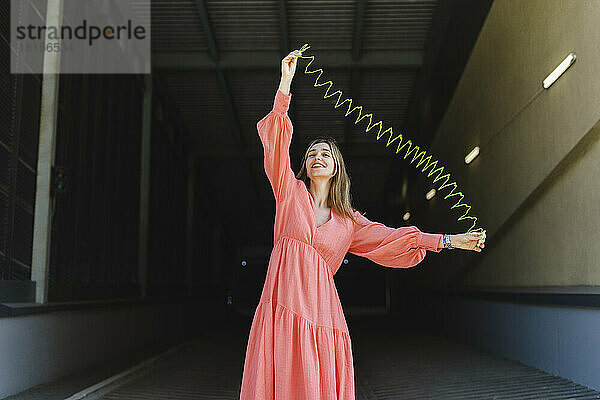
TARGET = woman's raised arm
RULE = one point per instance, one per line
(275, 132)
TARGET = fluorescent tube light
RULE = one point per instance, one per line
(430, 194)
(471, 156)
(558, 71)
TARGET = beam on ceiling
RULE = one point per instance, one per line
(163, 94)
(374, 150)
(208, 33)
(283, 27)
(285, 49)
(229, 106)
(359, 21)
(230, 109)
(349, 122)
(332, 59)
(435, 40)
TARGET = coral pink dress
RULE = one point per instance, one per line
(299, 345)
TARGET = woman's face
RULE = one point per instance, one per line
(319, 161)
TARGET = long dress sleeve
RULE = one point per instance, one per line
(275, 132)
(402, 247)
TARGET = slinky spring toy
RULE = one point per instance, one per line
(416, 156)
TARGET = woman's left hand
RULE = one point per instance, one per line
(468, 241)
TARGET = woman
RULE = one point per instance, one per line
(299, 345)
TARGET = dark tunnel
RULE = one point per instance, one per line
(159, 241)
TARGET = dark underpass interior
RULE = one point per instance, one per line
(137, 220)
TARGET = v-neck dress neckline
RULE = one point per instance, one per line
(312, 204)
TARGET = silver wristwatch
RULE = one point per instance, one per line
(446, 240)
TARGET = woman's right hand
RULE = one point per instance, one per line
(288, 65)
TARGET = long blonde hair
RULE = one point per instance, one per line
(339, 198)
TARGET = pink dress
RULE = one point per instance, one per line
(299, 345)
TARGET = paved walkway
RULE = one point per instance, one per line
(392, 361)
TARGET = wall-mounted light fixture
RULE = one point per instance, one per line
(430, 194)
(558, 71)
(471, 156)
(406, 216)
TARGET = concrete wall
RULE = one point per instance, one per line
(40, 348)
(535, 186)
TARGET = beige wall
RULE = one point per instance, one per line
(535, 186)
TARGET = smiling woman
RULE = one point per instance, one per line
(326, 178)
(299, 345)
